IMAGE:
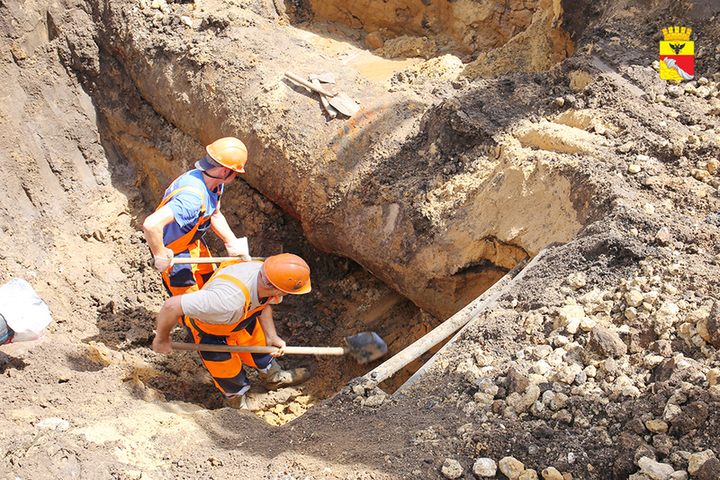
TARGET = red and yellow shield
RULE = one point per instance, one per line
(677, 54)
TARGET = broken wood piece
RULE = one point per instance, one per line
(445, 329)
(489, 297)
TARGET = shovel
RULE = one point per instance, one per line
(365, 347)
(339, 101)
(187, 260)
(324, 78)
(328, 108)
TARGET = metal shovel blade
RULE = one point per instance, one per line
(366, 347)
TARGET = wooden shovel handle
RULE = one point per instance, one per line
(305, 83)
(328, 108)
(260, 349)
(186, 260)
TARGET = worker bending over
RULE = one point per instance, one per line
(234, 308)
(190, 206)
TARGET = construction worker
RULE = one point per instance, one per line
(234, 308)
(190, 206)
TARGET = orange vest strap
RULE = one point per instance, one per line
(167, 196)
(225, 330)
(239, 284)
(181, 244)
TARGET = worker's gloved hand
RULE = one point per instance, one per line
(239, 248)
(164, 260)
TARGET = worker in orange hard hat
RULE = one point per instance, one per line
(234, 308)
(190, 206)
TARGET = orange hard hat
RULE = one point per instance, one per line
(288, 273)
(229, 152)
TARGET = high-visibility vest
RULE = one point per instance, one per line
(223, 330)
(182, 243)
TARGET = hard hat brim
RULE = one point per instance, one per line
(206, 163)
(305, 289)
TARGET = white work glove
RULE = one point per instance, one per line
(164, 260)
(239, 248)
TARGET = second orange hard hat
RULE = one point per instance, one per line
(288, 273)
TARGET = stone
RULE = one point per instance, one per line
(528, 474)
(690, 417)
(452, 469)
(511, 467)
(551, 473)
(710, 470)
(654, 469)
(558, 401)
(675, 91)
(634, 298)
(568, 313)
(516, 381)
(485, 467)
(374, 401)
(662, 237)
(709, 328)
(53, 423)
(566, 373)
(606, 342)
(577, 280)
(374, 41)
(712, 376)
(656, 426)
(697, 460)
(665, 317)
(663, 444)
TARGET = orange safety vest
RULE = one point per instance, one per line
(224, 330)
(181, 244)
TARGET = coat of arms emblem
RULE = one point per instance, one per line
(677, 54)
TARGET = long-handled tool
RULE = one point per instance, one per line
(326, 105)
(185, 260)
(324, 78)
(339, 101)
(365, 347)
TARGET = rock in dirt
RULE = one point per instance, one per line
(485, 467)
(606, 342)
(709, 327)
(452, 469)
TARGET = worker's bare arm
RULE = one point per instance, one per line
(153, 228)
(169, 315)
(271, 336)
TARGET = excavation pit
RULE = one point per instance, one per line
(432, 202)
(406, 212)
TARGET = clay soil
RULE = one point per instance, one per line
(91, 399)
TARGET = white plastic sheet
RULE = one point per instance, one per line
(24, 310)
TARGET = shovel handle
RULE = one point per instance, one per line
(260, 349)
(305, 83)
(329, 109)
(186, 260)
